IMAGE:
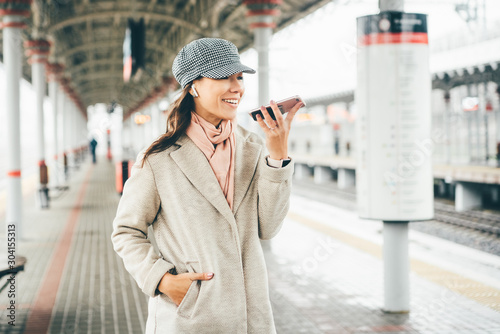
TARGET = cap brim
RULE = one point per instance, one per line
(227, 70)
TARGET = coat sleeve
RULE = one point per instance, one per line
(274, 188)
(137, 210)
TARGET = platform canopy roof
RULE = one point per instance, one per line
(88, 35)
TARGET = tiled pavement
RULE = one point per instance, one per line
(319, 283)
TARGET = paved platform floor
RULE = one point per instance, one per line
(325, 273)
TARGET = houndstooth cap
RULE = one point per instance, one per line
(213, 58)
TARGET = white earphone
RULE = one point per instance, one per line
(195, 93)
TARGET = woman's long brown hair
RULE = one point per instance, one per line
(178, 120)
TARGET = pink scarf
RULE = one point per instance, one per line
(218, 150)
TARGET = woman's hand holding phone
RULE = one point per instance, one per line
(277, 131)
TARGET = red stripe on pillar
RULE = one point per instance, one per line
(21, 25)
(32, 52)
(41, 163)
(394, 38)
(14, 173)
(32, 61)
(271, 12)
(26, 2)
(37, 43)
(19, 12)
(262, 25)
(262, 2)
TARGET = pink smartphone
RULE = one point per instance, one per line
(284, 106)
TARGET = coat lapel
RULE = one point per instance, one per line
(246, 159)
(195, 165)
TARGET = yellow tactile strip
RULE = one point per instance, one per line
(471, 289)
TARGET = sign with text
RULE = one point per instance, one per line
(394, 146)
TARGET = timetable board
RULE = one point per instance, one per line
(394, 179)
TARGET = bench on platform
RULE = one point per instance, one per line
(6, 272)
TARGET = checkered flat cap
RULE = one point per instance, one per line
(213, 58)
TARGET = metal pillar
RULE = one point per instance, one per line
(391, 5)
(485, 110)
(478, 124)
(262, 13)
(396, 262)
(262, 38)
(109, 155)
(117, 124)
(80, 135)
(155, 120)
(74, 135)
(396, 267)
(135, 136)
(446, 120)
(469, 128)
(498, 129)
(70, 133)
(54, 97)
(12, 57)
(125, 139)
(63, 159)
(38, 50)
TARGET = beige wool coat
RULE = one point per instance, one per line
(196, 231)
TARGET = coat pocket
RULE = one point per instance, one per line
(187, 305)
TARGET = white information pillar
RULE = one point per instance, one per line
(38, 50)
(394, 168)
(12, 57)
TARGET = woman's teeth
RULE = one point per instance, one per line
(231, 101)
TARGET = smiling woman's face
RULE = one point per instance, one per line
(218, 99)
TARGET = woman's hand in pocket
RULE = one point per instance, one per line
(176, 286)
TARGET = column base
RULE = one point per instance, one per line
(322, 174)
(346, 178)
(467, 196)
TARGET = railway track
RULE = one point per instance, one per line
(475, 228)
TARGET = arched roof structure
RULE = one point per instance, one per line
(87, 38)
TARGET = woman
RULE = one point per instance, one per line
(210, 192)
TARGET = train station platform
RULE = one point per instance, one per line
(487, 174)
(325, 272)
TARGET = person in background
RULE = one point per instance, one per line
(211, 190)
(92, 145)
